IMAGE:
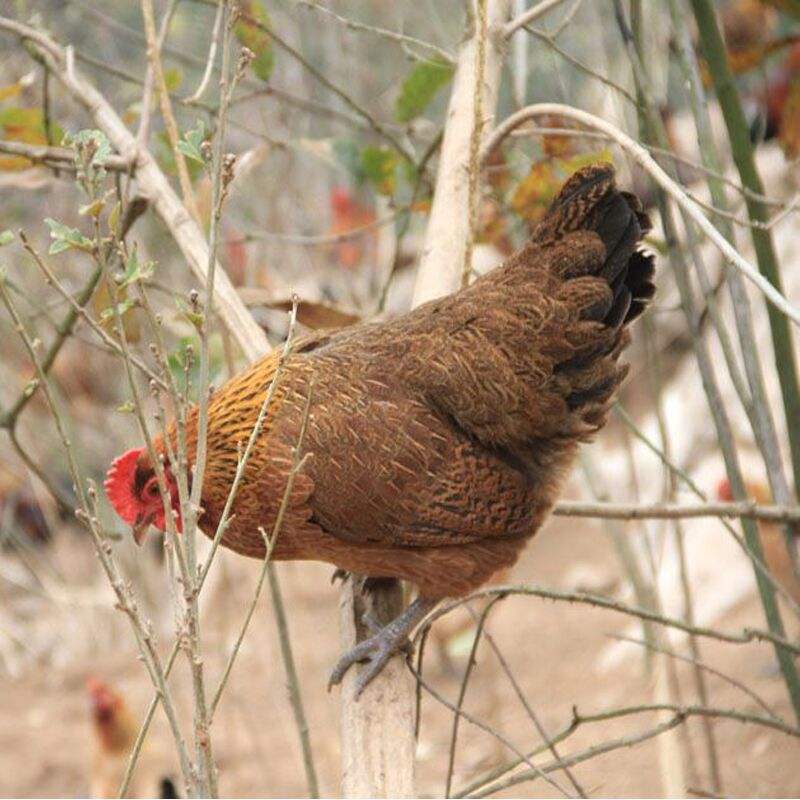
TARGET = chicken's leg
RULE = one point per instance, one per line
(380, 647)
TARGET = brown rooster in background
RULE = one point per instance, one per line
(439, 439)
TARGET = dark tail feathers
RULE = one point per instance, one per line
(589, 200)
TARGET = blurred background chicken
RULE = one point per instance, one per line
(113, 733)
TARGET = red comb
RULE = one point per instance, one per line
(102, 697)
(119, 485)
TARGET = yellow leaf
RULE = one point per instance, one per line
(12, 90)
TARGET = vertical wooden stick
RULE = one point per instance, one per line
(378, 730)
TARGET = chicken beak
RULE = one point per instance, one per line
(140, 527)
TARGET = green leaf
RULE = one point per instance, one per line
(256, 39)
(121, 308)
(173, 77)
(113, 218)
(98, 138)
(194, 318)
(6, 237)
(378, 165)
(420, 87)
(165, 156)
(135, 271)
(178, 359)
(65, 238)
(192, 142)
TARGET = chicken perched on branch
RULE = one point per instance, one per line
(439, 439)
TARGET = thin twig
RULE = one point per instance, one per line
(393, 36)
(681, 713)
(62, 158)
(171, 126)
(462, 692)
(81, 312)
(702, 665)
(529, 16)
(631, 511)
(549, 743)
(379, 128)
(747, 635)
(212, 55)
(87, 499)
(484, 727)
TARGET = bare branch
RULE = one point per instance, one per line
(632, 511)
(532, 14)
(393, 36)
(61, 158)
(643, 158)
(154, 185)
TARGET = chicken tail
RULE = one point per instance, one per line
(593, 231)
(531, 351)
(590, 201)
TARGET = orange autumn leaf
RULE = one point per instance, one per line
(789, 129)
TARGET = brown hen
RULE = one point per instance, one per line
(439, 439)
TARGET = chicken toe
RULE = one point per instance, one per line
(379, 648)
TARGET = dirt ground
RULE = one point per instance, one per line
(554, 649)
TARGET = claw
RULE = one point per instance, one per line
(381, 646)
(339, 574)
(376, 651)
